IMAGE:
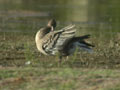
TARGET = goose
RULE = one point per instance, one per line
(50, 41)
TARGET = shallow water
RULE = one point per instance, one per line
(88, 15)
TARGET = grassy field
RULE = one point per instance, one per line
(35, 78)
(22, 67)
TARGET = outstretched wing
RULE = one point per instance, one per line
(55, 40)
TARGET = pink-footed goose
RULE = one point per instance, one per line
(63, 41)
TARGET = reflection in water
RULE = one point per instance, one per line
(24, 15)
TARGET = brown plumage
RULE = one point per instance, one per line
(63, 41)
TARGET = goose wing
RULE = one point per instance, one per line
(55, 40)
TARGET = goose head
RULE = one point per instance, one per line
(52, 24)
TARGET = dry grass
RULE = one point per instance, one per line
(16, 50)
(96, 71)
(30, 78)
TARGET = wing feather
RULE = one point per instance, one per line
(55, 40)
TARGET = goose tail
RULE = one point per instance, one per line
(83, 46)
